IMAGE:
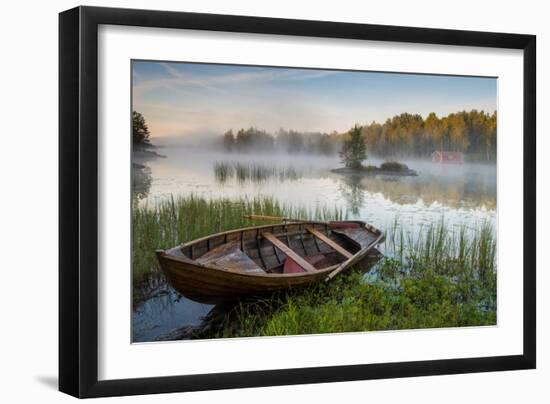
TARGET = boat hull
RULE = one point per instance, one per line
(206, 284)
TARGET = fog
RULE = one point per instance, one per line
(307, 179)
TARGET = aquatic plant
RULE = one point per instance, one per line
(252, 172)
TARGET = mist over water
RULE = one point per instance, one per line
(458, 193)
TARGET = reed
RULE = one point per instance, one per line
(256, 173)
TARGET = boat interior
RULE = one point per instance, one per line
(285, 248)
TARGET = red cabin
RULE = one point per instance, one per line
(440, 156)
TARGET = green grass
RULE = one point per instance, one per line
(183, 219)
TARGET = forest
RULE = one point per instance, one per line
(290, 141)
(473, 133)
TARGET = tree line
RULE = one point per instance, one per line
(289, 141)
(473, 133)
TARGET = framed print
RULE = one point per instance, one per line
(251, 201)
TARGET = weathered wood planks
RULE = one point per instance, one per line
(337, 247)
(288, 252)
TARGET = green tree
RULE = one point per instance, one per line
(140, 131)
(354, 149)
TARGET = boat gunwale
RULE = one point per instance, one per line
(186, 260)
(243, 229)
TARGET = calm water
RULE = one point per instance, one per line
(460, 194)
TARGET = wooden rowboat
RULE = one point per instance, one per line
(263, 259)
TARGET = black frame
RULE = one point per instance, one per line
(78, 195)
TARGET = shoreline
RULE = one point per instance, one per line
(372, 170)
(145, 154)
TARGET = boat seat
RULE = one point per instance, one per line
(230, 257)
(360, 236)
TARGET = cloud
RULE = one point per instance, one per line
(177, 78)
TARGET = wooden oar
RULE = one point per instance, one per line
(335, 272)
(272, 218)
(345, 264)
(288, 219)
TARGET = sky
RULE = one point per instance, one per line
(182, 99)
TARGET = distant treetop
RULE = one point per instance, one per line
(140, 131)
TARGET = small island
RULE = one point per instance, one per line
(354, 152)
(387, 168)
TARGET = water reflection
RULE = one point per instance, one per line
(165, 312)
(353, 193)
(464, 186)
(142, 176)
(467, 191)
(141, 181)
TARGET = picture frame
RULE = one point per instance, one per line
(78, 200)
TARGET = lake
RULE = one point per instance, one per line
(463, 195)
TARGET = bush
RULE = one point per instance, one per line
(393, 166)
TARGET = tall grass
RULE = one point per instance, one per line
(178, 220)
(470, 250)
